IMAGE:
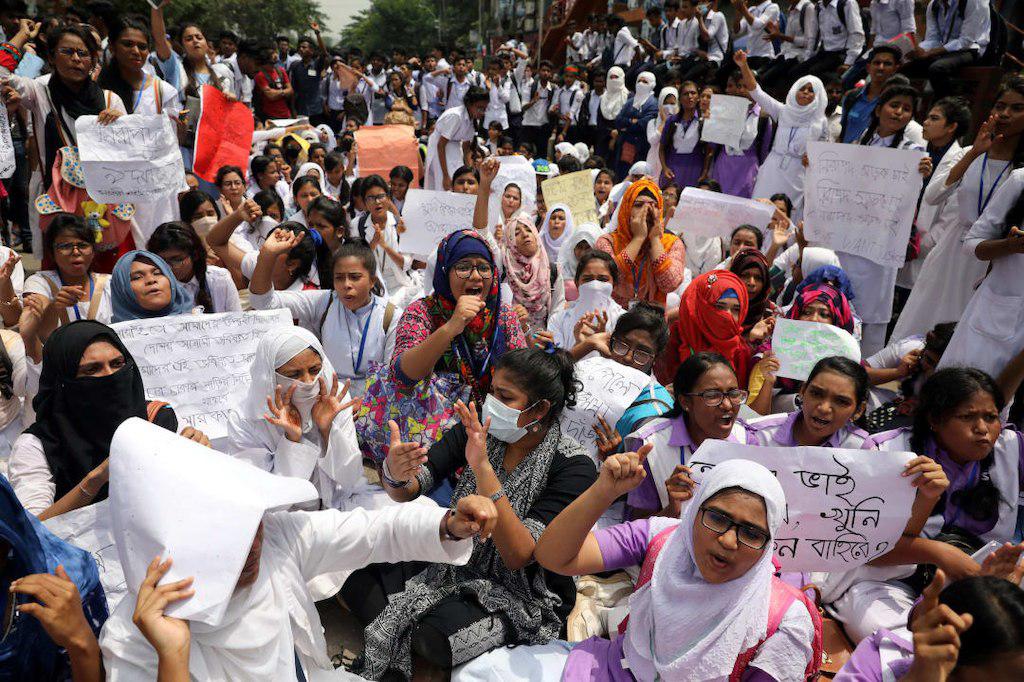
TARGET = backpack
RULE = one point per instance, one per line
(782, 597)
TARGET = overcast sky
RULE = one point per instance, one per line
(339, 12)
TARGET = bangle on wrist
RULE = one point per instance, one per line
(447, 531)
(385, 474)
(86, 492)
(497, 496)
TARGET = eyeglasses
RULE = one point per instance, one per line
(640, 356)
(376, 198)
(721, 523)
(714, 397)
(71, 52)
(67, 248)
(465, 270)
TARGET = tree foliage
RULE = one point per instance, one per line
(257, 19)
(412, 24)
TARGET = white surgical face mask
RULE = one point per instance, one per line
(203, 225)
(504, 420)
(671, 109)
(596, 288)
(305, 395)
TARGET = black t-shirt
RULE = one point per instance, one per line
(305, 80)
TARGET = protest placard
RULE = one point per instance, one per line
(135, 158)
(7, 160)
(381, 148)
(799, 345)
(575, 190)
(842, 509)
(199, 363)
(712, 214)
(223, 134)
(727, 121)
(432, 215)
(861, 200)
(89, 528)
(608, 388)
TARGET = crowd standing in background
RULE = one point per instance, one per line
(402, 446)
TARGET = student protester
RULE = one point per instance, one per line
(380, 227)
(230, 182)
(946, 285)
(651, 261)
(305, 74)
(144, 286)
(557, 227)
(593, 281)
(631, 125)
(799, 121)
(751, 266)
(797, 43)
(449, 144)
(53, 593)
(399, 181)
(270, 627)
(582, 240)
(710, 318)
(706, 405)
(517, 456)
(680, 152)
(265, 173)
(858, 103)
(537, 289)
(707, 603)
(209, 286)
(353, 321)
(611, 101)
(832, 399)
(753, 19)
(955, 37)
(841, 32)
(668, 106)
(736, 168)
(60, 462)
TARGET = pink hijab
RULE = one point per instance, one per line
(529, 276)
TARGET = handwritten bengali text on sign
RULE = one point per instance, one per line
(800, 345)
(844, 508)
(431, 215)
(713, 214)
(861, 200)
(199, 363)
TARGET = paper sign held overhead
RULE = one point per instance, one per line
(432, 215)
(800, 345)
(713, 214)
(843, 509)
(134, 159)
(727, 121)
(575, 190)
(861, 200)
(223, 134)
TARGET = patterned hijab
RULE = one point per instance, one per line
(529, 276)
(642, 277)
(836, 301)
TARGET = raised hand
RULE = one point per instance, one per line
(489, 171)
(249, 211)
(69, 296)
(608, 439)
(57, 607)
(329, 404)
(7, 269)
(1005, 563)
(283, 414)
(623, 472)
(929, 478)
(281, 241)
(466, 309)
(937, 629)
(404, 459)
(476, 445)
(169, 636)
(680, 488)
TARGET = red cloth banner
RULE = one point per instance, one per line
(223, 134)
(381, 148)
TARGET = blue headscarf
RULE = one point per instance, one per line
(28, 653)
(452, 249)
(122, 298)
(831, 275)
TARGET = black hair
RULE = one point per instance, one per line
(710, 185)
(853, 371)
(896, 52)
(941, 394)
(546, 63)
(689, 373)
(646, 317)
(614, 22)
(110, 76)
(605, 258)
(371, 181)
(475, 94)
(401, 173)
(190, 201)
(304, 252)
(66, 222)
(58, 32)
(758, 235)
(956, 110)
(530, 148)
(543, 375)
(332, 211)
(997, 606)
(568, 164)
(1014, 83)
(230, 35)
(266, 198)
(259, 164)
(605, 171)
(936, 340)
(192, 89)
(316, 146)
(506, 140)
(249, 48)
(890, 93)
(354, 247)
(178, 235)
(465, 170)
(784, 198)
(223, 171)
(301, 181)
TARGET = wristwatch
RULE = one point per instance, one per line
(385, 476)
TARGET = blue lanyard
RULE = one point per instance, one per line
(358, 362)
(792, 134)
(636, 277)
(951, 13)
(92, 286)
(138, 97)
(981, 184)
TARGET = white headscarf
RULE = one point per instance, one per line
(567, 260)
(814, 257)
(553, 245)
(319, 177)
(681, 627)
(809, 115)
(276, 348)
(566, 148)
(662, 96)
(615, 93)
(582, 151)
(332, 141)
(645, 83)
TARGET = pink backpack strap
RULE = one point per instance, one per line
(647, 568)
(783, 596)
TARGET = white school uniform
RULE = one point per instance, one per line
(758, 44)
(17, 274)
(400, 287)
(344, 334)
(497, 109)
(949, 274)
(222, 290)
(991, 331)
(37, 284)
(11, 413)
(455, 126)
(248, 266)
(783, 170)
(563, 321)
